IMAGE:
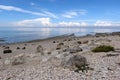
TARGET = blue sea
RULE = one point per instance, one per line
(20, 34)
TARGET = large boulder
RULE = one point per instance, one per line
(19, 59)
(75, 49)
(72, 61)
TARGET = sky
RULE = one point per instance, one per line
(59, 13)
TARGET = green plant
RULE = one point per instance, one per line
(82, 68)
(103, 48)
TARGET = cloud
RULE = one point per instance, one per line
(106, 23)
(46, 22)
(71, 24)
(103, 23)
(34, 22)
(70, 14)
(49, 14)
(73, 13)
(12, 8)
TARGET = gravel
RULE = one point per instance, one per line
(105, 68)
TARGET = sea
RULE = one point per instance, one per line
(21, 34)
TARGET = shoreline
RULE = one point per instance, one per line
(68, 35)
(61, 36)
(37, 40)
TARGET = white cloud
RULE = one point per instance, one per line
(34, 22)
(106, 23)
(71, 24)
(73, 13)
(49, 14)
(46, 22)
(12, 8)
(103, 23)
(70, 14)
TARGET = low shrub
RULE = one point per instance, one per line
(83, 68)
(103, 48)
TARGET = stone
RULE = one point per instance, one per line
(72, 60)
(75, 49)
(24, 48)
(7, 62)
(40, 49)
(18, 48)
(7, 51)
(19, 59)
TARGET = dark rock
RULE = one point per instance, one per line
(7, 51)
(49, 52)
(24, 48)
(18, 48)
(54, 42)
(40, 49)
(25, 44)
(79, 42)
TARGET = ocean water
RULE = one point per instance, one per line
(20, 34)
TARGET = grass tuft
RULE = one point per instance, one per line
(103, 48)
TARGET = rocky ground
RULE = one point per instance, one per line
(55, 60)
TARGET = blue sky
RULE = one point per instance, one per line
(59, 12)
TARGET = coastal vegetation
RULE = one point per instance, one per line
(103, 48)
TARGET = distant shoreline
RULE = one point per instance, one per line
(37, 40)
(62, 36)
